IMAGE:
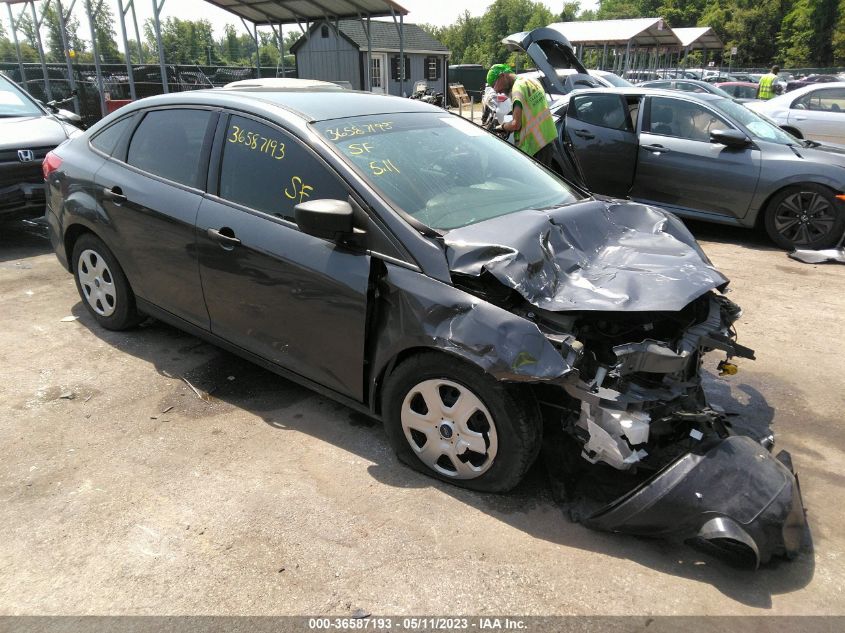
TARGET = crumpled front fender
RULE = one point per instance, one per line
(736, 499)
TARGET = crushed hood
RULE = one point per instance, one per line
(599, 255)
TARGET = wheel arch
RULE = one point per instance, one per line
(764, 206)
(384, 373)
(71, 236)
(792, 130)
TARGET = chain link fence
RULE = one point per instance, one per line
(116, 81)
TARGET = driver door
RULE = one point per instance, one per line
(293, 299)
(599, 134)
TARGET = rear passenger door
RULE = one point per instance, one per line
(151, 190)
(288, 297)
(600, 134)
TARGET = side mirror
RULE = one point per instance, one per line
(326, 219)
(730, 138)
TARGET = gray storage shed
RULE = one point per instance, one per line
(337, 51)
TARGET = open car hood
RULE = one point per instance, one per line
(551, 51)
(597, 255)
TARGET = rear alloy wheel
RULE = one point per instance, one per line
(451, 420)
(806, 216)
(102, 285)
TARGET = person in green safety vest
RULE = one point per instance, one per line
(766, 89)
(532, 124)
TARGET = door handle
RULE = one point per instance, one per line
(800, 118)
(115, 194)
(225, 240)
(584, 134)
(655, 149)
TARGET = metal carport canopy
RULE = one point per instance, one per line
(638, 31)
(702, 37)
(267, 12)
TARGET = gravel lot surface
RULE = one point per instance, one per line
(123, 492)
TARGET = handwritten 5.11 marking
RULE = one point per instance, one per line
(253, 140)
(379, 167)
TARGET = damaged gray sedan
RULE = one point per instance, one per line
(412, 266)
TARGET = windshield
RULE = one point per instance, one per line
(14, 102)
(443, 170)
(615, 80)
(760, 127)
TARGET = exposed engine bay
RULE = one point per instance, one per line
(633, 307)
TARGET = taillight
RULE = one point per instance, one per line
(51, 163)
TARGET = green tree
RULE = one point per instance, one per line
(838, 39)
(104, 32)
(796, 36)
(55, 48)
(570, 11)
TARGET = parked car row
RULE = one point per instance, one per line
(692, 148)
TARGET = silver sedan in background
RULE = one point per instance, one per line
(815, 112)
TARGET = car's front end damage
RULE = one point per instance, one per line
(631, 304)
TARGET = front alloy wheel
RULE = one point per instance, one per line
(454, 421)
(449, 429)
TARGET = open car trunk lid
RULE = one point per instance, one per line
(550, 51)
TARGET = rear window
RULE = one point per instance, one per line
(107, 140)
(168, 143)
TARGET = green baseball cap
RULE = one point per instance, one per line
(496, 71)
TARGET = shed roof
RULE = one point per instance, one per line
(290, 11)
(384, 35)
(699, 37)
(638, 31)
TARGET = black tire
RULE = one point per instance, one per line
(114, 308)
(515, 427)
(804, 216)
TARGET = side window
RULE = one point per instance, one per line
(683, 119)
(660, 84)
(828, 100)
(267, 170)
(602, 110)
(106, 141)
(168, 143)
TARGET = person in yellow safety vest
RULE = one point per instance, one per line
(766, 87)
(532, 124)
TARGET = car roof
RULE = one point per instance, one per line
(735, 83)
(787, 96)
(310, 104)
(645, 90)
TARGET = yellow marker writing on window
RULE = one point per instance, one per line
(379, 167)
(300, 189)
(356, 149)
(253, 140)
